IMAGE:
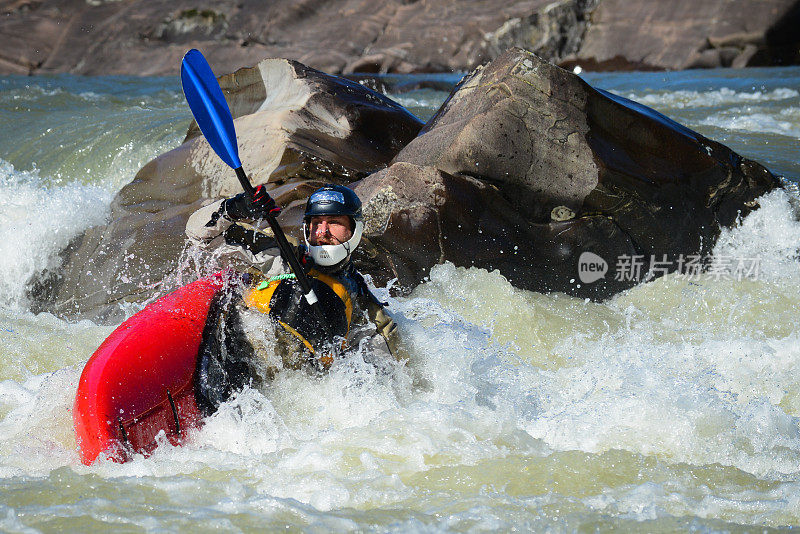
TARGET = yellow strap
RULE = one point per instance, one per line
(260, 297)
(298, 335)
(340, 291)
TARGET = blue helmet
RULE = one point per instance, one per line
(333, 199)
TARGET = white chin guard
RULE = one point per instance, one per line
(328, 255)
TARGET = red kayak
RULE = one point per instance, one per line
(140, 381)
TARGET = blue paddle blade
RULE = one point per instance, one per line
(209, 107)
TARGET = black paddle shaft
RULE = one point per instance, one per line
(286, 249)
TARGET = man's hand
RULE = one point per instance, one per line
(247, 207)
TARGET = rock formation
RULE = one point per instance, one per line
(297, 129)
(526, 167)
(639, 35)
(344, 36)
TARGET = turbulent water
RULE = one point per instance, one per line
(674, 405)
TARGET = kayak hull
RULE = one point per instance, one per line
(140, 381)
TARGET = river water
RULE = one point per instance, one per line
(674, 405)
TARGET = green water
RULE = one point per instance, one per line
(673, 406)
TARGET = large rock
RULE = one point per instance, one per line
(526, 167)
(297, 128)
(343, 36)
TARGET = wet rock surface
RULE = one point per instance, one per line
(344, 36)
(309, 128)
(526, 167)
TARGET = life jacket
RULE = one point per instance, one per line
(281, 297)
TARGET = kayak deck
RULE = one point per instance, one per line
(140, 381)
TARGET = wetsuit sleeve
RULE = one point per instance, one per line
(207, 224)
(209, 228)
(386, 338)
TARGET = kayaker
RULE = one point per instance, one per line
(262, 323)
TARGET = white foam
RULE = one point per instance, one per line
(770, 234)
(38, 423)
(644, 376)
(786, 122)
(719, 97)
(37, 222)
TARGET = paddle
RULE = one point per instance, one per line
(214, 118)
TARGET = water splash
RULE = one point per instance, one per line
(673, 406)
(36, 222)
(714, 98)
(785, 123)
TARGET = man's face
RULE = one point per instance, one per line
(329, 229)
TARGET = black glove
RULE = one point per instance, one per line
(247, 207)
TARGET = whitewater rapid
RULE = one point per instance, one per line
(671, 406)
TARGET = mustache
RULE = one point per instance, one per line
(332, 237)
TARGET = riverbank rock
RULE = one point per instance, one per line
(682, 34)
(529, 170)
(297, 128)
(344, 36)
